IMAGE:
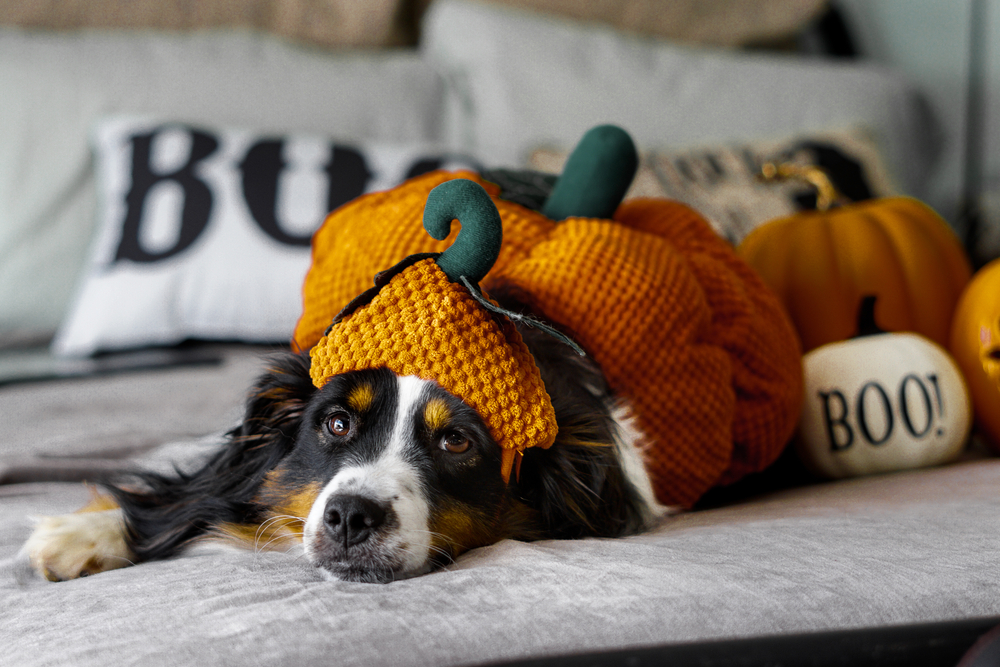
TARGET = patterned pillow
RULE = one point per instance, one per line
(721, 182)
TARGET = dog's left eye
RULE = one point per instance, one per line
(339, 424)
(454, 442)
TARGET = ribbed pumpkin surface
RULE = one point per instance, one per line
(822, 264)
(975, 344)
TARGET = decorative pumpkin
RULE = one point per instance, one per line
(881, 402)
(975, 343)
(678, 323)
(822, 263)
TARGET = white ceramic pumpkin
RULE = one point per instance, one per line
(880, 403)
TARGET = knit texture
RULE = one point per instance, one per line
(380, 229)
(423, 324)
(681, 327)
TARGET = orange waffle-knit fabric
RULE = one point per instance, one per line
(680, 326)
(423, 324)
(377, 231)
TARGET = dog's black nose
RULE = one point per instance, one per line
(352, 519)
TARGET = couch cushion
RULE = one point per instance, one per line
(890, 550)
(718, 22)
(328, 23)
(516, 79)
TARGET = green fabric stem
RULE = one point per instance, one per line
(596, 177)
(478, 244)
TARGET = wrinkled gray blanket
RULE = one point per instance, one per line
(895, 549)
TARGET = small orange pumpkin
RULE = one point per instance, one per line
(975, 344)
(823, 263)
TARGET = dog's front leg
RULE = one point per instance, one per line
(86, 542)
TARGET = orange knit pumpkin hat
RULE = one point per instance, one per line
(427, 317)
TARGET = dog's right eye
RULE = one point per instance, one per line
(454, 442)
(339, 424)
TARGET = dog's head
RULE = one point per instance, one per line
(393, 475)
(385, 477)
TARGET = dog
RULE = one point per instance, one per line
(693, 380)
(379, 477)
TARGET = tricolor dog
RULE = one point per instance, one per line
(554, 374)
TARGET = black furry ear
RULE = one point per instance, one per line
(578, 489)
(277, 399)
(163, 513)
(577, 486)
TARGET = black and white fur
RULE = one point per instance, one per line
(376, 485)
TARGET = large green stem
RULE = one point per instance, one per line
(477, 247)
(596, 177)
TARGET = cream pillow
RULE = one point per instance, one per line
(54, 87)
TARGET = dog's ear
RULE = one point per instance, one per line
(578, 489)
(165, 512)
(276, 402)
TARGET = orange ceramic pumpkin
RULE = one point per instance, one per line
(975, 344)
(823, 263)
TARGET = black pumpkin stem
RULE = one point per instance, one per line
(522, 319)
(866, 318)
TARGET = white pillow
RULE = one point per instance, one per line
(55, 86)
(205, 233)
(516, 80)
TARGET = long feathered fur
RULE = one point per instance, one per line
(575, 488)
(164, 513)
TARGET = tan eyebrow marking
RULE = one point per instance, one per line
(361, 397)
(437, 415)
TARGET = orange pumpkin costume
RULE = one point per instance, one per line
(432, 327)
(680, 326)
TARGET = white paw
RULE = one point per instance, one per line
(77, 545)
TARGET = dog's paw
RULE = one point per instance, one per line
(77, 545)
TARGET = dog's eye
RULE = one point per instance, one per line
(454, 442)
(340, 424)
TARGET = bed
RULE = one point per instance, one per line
(782, 567)
(879, 552)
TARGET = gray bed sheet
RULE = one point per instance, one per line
(894, 549)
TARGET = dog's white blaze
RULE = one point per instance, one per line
(629, 442)
(391, 480)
